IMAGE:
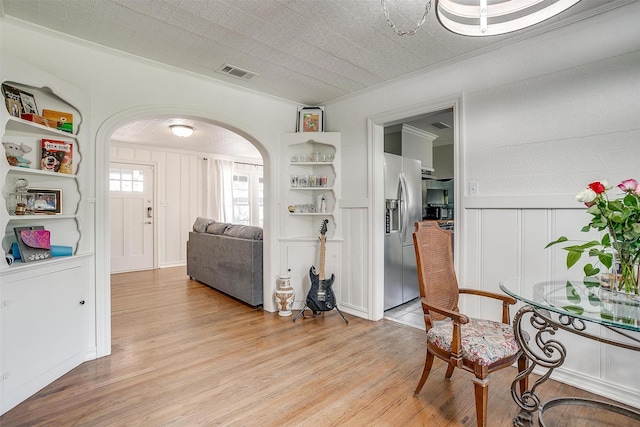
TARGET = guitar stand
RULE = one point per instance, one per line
(314, 314)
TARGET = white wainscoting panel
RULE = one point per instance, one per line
(503, 243)
(354, 296)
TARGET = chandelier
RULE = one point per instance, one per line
(487, 17)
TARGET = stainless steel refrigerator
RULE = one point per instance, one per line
(403, 207)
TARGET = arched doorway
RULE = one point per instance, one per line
(101, 198)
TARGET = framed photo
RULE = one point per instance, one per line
(311, 119)
(14, 107)
(45, 201)
(28, 103)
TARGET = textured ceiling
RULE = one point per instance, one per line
(306, 51)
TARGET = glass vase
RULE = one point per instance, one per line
(624, 274)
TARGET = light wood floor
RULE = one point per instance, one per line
(184, 354)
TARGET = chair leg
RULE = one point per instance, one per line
(425, 372)
(481, 388)
(523, 364)
(450, 369)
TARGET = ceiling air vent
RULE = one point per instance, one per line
(440, 125)
(234, 71)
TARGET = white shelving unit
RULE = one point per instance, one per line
(47, 305)
(64, 226)
(299, 231)
(313, 162)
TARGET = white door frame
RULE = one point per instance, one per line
(154, 225)
(375, 126)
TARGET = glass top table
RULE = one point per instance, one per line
(582, 299)
(567, 304)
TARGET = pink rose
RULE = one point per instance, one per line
(629, 185)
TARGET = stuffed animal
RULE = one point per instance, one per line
(14, 153)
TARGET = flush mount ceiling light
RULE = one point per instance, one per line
(492, 17)
(487, 17)
(182, 131)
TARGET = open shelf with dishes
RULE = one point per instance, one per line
(311, 182)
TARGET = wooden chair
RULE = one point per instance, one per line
(477, 346)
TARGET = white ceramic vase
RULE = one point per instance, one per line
(284, 295)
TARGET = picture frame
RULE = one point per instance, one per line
(310, 119)
(28, 103)
(13, 107)
(45, 201)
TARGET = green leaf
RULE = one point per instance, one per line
(572, 295)
(606, 259)
(590, 270)
(572, 258)
(574, 309)
(591, 283)
(631, 201)
(594, 300)
(606, 315)
(559, 240)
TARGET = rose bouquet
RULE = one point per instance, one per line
(620, 245)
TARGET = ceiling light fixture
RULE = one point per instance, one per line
(492, 17)
(486, 17)
(182, 131)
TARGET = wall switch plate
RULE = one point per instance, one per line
(474, 188)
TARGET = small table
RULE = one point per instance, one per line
(568, 305)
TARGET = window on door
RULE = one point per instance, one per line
(248, 192)
(126, 180)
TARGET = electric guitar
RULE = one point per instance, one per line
(321, 296)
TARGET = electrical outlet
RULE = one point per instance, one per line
(474, 188)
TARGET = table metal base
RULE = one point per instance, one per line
(544, 351)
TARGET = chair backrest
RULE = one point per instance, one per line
(436, 277)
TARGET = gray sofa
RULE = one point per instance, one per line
(228, 258)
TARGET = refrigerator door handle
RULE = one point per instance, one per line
(404, 212)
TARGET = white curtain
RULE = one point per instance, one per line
(218, 189)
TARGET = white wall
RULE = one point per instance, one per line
(537, 121)
(120, 89)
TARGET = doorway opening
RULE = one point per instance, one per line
(440, 119)
(177, 184)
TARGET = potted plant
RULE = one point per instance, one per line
(620, 218)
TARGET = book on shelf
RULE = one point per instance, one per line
(34, 243)
(60, 120)
(28, 103)
(12, 99)
(57, 156)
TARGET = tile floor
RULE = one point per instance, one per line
(409, 313)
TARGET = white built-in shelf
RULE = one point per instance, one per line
(35, 171)
(25, 126)
(311, 188)
(311, 214)
(41, 217)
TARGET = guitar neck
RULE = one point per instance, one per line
(322, 252)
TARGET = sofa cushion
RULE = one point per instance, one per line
(217, 228)
(244, 232)
(201, 224)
